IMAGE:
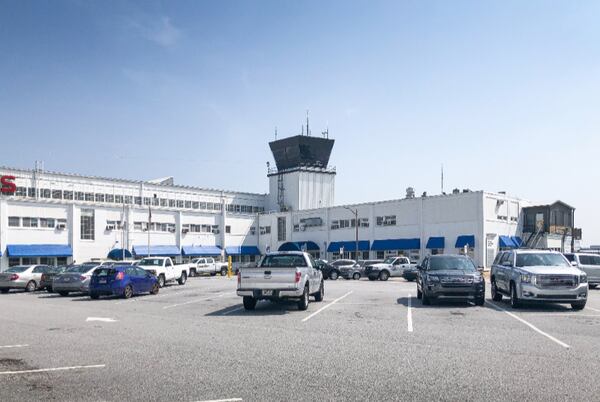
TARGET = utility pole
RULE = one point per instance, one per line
(149, 223)
(355, 212)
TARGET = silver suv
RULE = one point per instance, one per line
(588, 263)
(537, 276)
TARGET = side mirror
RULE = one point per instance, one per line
(420, 268)
(480, 269)
(573, 264)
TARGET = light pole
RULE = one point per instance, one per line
(149, 222)
(355, 212)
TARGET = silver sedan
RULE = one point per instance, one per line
(75, 279)
(26, 277)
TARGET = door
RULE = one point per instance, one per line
(202, 267)
(169, 270)
(396, 268)
(590, 264)
(36, 273)
(146, 281)
(422, 271)
(504, 270)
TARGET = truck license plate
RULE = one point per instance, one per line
(267, 293)
(102, 280)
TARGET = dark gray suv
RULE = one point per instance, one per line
(449, 277)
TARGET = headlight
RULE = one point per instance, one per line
(478, 279)
(432, 278)
(527, 278)
(583, 278)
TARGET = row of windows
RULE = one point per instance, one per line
(349, 223)
(154, 227)
(389, 220)
(31, 192)
(29, 222)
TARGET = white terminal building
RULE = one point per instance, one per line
(60, 218)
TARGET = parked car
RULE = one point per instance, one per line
(449, 277)
(588, 263)
(75, 279)
(122, 280)
(390, 267)
(165, 270)
(349, 269)
(281, 275)
(26, 277)
(328, 270)
(48, 276)
(410, 273)
(207, 265)
(537, 276)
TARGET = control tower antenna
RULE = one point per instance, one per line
(275, 133)
(307, 126)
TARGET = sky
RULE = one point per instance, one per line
(505, 94)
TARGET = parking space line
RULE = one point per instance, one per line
(326, 306)
(536, 329)
(224, 400)
(13, 346)
(409, 314)
(593, 309)
(193, 301)
(233, 311)
(53, 369)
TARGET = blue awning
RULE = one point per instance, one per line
(349, 246)
(242, 250)
(507, 242)
(199, 251)
(436, 242)
(299, 246)
(396, 244)
(117, 254)
(517, 240)
(39, 250)
(158, 251)
(465, 240)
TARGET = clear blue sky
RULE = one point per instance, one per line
(506, 94)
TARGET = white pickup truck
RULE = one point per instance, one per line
(207, 265)
(165, 270)
(282, 275)
(390, 267)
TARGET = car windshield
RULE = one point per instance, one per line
(451, 263)
(340, 263)
(105, 271)
(151, 262)
(17, 269)
(543, 259)
(283, 261)
(389, 260)
(81, 269)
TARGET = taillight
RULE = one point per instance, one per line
(119, 276)
(239, 277)
(44, 276)
(13, 277)
(298, 276)
(82, 278)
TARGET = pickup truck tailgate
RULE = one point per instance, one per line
(268, 278)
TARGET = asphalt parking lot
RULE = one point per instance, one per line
(365, 341)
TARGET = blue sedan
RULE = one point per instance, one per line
(124, 281)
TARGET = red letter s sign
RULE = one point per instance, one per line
(7, 184)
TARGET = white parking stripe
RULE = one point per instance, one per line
(193, 301)
(324, 307)
(13, 346)
(409, 314)
(53, 369)
(233, 311)
(536, 329)
(224, 400)
(593, 309)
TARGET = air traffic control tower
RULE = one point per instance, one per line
(302, 179)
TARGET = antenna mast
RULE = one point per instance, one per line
(442, 178)
(307, 126)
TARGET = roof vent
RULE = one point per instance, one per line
(456, 191)
(410, 192)
(424, 194)
(466, 190)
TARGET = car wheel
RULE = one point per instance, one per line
(193, 273)
(49, 289)
(333, 275)
(161, 281)
(94, 296)
(30, 286)
(182, 279)
(578, 306)
(4, 290)
(63, 294)
(372, 278)
(303, 303)
(223, 271)
(419, 294)
(594, 286)
(384, 276)
(480, 301)
(425, 299)
(514, 299)
(496, 296)
(249, 302)
(154, 289)
(356, 276)
(320, 294)
(128, 292)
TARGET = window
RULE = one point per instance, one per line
(363, 222)
(296, 227)
(45, 193)
(137, 200)
(14, 221)
(79, 196)
(155, 201)
(172, 203)
(87, 224)
(137, 225)
(389, 220)
(21, 192)
(147, 200)
(209, 206)
(109, 198)
(502, 218)
(57, 194)
(67, 195)
(252, 230)
(47, 223)
(13, 262)
(335, 225)
(195, 205)
(99, 197)
(380, 255)
(31, 192)
(265, 230)
(164, 202)
(188, 204)
(89, 196)
(227, 229)
(283, 261)
(128, 199)
(30, 222)
(202, 205)
(61, 222)
(281, 228)
(179, 203)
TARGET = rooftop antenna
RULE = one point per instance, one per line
(275, 133)
(325, 133)
(443, 178)
(307, 126)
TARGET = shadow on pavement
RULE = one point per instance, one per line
(263, 308)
